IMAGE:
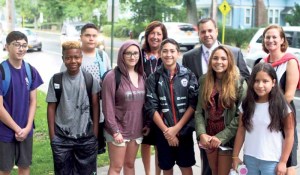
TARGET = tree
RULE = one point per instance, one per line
(191, 11)
(28, 10)
(293, 18)
(162, 10)
(214, 9)
(260, 13)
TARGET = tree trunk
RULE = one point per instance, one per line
(261, 14)
(214, 9)
(191, 11)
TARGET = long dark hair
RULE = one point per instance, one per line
(278, 106)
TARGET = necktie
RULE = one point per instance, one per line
(206, 56)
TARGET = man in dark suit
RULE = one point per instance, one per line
(197, 61)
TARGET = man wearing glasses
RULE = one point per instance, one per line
(17, 106)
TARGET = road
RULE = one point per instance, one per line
(51, 44)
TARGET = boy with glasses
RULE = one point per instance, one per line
(17, 106)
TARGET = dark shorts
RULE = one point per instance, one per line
(15, 153)
(74, 156)
(150, 138)
(183, 155)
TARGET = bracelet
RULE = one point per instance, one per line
(234, 157)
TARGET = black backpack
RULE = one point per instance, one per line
(117, 77)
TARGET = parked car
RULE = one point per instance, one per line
(184, 33)
(71, 32)
(33, 40)
(255, 50)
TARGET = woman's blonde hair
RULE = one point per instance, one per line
(228, 93)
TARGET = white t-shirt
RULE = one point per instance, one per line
(261, 143)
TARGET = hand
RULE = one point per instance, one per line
(22, 134)
(171, 132)
(214, 143)
(204, 141)
(281, 168)
(145, 131)
(118, 138)
(235, 162)
(173, 142)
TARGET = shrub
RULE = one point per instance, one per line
(122, 29)
(237, 37)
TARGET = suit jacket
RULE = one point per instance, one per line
(192, 60)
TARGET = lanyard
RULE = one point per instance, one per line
(151, 68)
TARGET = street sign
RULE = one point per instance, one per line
(224, 8)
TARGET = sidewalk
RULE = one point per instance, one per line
(139, 167)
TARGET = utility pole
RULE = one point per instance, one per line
(10, 17)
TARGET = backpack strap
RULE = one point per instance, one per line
(57, 84)
(88, 78)
(28, 73)
(117, 77)
(6, 76)
(100, 52)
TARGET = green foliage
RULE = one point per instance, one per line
(161, 10)
(238, 37)
(2, 3)
(294, 19)
(123, 27)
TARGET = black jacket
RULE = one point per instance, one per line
(169, 97)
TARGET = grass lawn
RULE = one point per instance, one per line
(42, 163)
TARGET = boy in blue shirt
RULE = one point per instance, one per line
(17, 107)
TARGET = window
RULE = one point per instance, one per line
(273, 16)
(248, 15)
(270, 16)
(289, 37)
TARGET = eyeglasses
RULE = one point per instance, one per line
(69, 58)
(19, 46)
(130, 54)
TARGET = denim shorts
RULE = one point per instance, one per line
(109, 138)
(257, 166)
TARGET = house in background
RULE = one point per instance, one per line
(248, 14)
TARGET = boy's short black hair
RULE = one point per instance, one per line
(14, 36)
(87, 26)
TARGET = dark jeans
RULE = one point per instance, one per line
(74, 156)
